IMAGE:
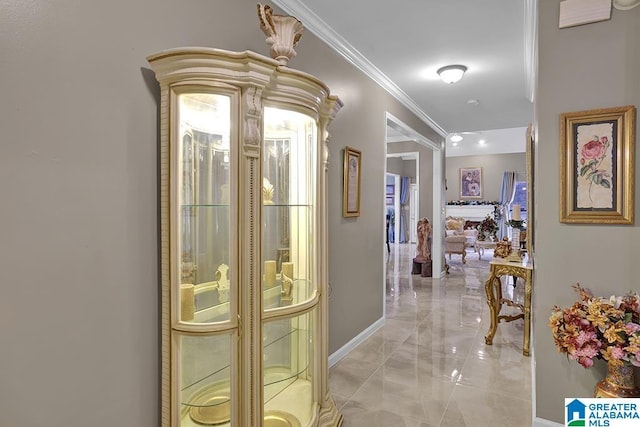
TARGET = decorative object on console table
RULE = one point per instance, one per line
(597, 170)
(516, 223)
(503, 248)
(351, 183)
(602, 328)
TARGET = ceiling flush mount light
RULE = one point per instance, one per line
(456, 137)
(451, 73)
(625, 4)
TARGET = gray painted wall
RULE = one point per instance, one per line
(79, 182)
(492, 166)
(356, 244)
(78, 169)
(425, 175)
(580, 68)
(394, 166)
(409, 169)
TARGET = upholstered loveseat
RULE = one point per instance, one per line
(457, 239)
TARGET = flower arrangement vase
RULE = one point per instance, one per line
(619, 382)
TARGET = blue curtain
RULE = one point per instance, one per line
(404, 210)
(392, 220)
(506, 197)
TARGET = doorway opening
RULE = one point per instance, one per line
(412, 157)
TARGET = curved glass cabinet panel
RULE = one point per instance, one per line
(203, 191)
(205, 389)
(289, 371)
(289, 170)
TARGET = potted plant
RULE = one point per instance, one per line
(487, 229)
(602, 328)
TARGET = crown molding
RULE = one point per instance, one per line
(325, 33)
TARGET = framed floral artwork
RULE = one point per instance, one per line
(597, 166)
(471, 183)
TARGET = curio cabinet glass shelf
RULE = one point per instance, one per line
(243, 241)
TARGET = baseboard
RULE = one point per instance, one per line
(541, 422)
(336, 356)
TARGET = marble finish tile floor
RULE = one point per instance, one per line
(429, 366)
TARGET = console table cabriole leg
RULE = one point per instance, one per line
(494, 294)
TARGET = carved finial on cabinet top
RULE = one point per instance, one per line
(283, 33)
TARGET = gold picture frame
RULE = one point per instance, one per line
(351, 182)
(530, 159)
(597, 166)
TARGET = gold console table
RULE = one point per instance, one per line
(493, 288)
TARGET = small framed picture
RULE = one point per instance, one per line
(351, 189)
(471, 183)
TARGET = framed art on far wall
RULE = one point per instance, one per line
(597, 166)
(389, 194)
(390, 190)
(351, 183)
(471, 183)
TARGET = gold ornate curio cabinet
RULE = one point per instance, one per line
(243, 241)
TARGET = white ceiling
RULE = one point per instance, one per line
(496, 141)
(402, 44)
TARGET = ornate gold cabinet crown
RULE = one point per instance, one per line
(243, 241)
